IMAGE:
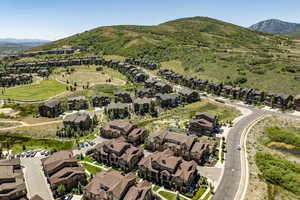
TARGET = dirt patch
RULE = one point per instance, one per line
(4, 124)
(258, 189)
(9, 112)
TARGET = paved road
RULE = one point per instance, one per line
(229, 185)
(35, 179)
(231, 179)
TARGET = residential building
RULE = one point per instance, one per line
(12, 183)
(114, 185)
(168, 170)
(203, 124)
(78, 103)
(61, 168)
(117, 153)
(52, 109)
(78, 121)
(130, 131)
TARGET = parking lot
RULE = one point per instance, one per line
(35, 179)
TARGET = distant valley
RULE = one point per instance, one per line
(10, 46)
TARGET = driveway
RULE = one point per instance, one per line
(35, 179)
(213, 173)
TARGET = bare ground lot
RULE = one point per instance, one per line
(258, 189)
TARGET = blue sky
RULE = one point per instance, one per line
(54, 19)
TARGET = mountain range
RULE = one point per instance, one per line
(276, 26)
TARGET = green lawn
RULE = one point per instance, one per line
(39, 91)
(17, 143)
(199, 193)
(156, 187)
(92, 169)
(207, 196)
(87, 159)
(170, 196)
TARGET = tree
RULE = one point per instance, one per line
(61, 189)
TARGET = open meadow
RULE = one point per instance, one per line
(34, 92)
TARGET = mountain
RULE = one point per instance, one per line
(276, 26)
(156, 42)
(11, 45)
(201, 47)
(16, 41)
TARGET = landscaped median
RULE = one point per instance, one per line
(34, 92)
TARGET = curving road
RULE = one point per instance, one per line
(232, 185)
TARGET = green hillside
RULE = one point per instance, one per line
(202, 47)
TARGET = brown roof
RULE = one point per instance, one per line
(138, 191)
(206, 115)
(169, 136)
(169, 164)
(56, 159)
(121, 125)
(136, 132)
(65, 173)
(110, 181)
(119, 148)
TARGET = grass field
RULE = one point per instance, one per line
(170, 196)
(88, 74)
(40, 91)
(18, 142)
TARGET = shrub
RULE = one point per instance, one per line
(279, 171)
